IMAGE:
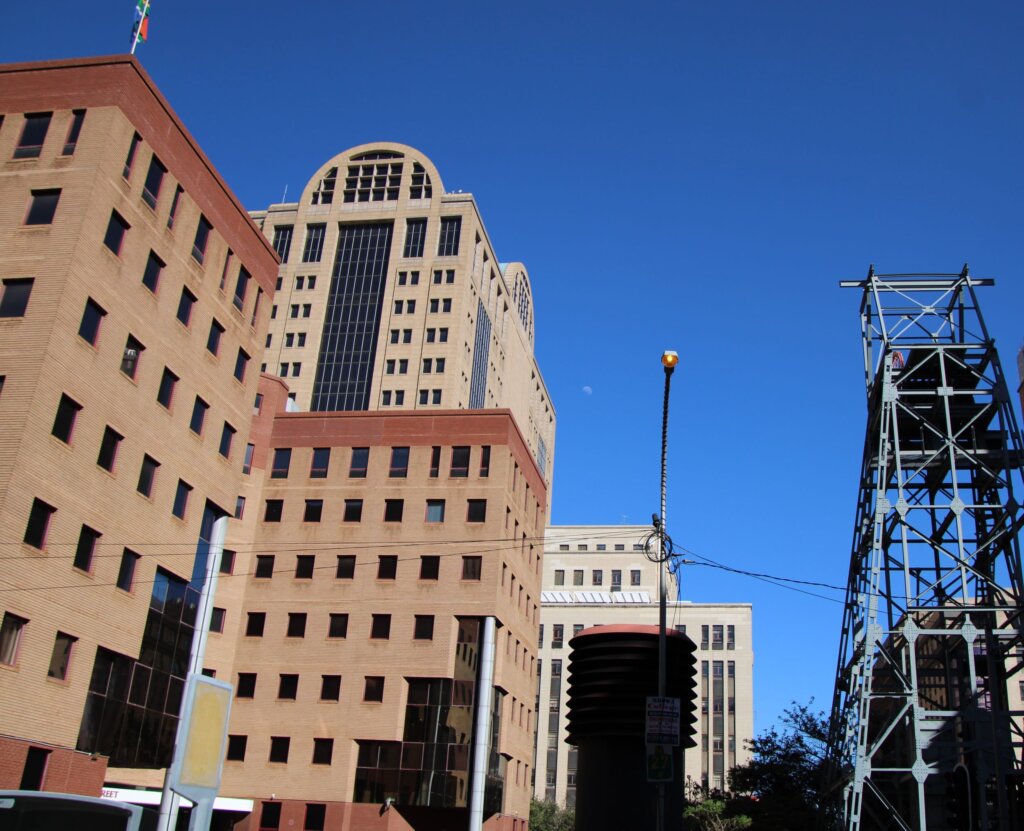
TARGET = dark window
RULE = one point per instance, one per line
(476, 510)
(279, 749)
(34, 770)
(181, 499)
(33, 134)
(353, 510)
(288, 686)
(313, 250)
(485, 461)
(14, 299)
(241, 362)
(435, 510)
(188, 300)
(323, 751)
(346, 567)
(117, 227)
(254, 625)
(415, 234)
(423, 629)
(283, 241)
(430, 566)
(314, 510)
(86, 548)
(241, 287)
(217, 619)
(387, 567)
(338, 626)
(448, 241)
(360, 460)
(236, 748)
(282, 463)
(74, 131)
(227, 436)
(305, 565)
(11, 631)
(227, 561)
(380, 627)
(147, 474)
(126, 573)
(61, 656)
(43, 206)
(393, 510)
(213, 340)
(133, 349)
(64, 421)
(151, 276)
(319, 463)
(270, 816)
(154, 179)
(178, 191)
(199, 410)
(471, 566)
(316, 812)
(202, 238)
(435, 462)
(109, 448)
(133, 148)
(165, 394)
(296, 625)
(373, 688)
(399, 463)
(460, 462)
(38, 523)
(89, 328)
(273, 510)
(330, 687)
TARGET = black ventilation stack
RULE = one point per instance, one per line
(612, 671)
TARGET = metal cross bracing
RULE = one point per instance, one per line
(922, 733)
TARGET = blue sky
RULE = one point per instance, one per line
(687, 175)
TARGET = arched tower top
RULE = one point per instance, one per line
(517, 279)
(378, 172)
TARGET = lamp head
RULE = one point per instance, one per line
(669, 359)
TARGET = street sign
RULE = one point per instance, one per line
(662, 720)
(659, 763)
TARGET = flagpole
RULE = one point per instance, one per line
(137, 32)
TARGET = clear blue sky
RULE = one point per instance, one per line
(687, 175)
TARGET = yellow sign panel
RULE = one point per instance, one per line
(200, 766)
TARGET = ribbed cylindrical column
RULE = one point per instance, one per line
(612, 671)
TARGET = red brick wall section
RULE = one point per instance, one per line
(67, 771)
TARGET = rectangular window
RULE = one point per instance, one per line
(246, 686)
(74, 131)
(282, 463)
(557, 636)
(314, 510)
(151, 276)
(346, 567)
(319, 463)
(165, 394)
(577, 577)
(227, 561)
(213, 340)
(380, 627)
(305, 565)
(133, 148)
(14, 298)
(353, 510)
(61, 657)
(43, 207)
(117, 227)
(109, 448)
(33, 134)
(236, 748)
(10, 636)
(296, 625)
(330, 687)
(255, 624)
(313, 249)
(435, 462)
(287, 686)
(133, 349)
(178, 191)
(241, 364)
(92, 316)
(399, 463)
(560, 577)
(448, 241)
(239, 507)
(616, 580)
(373, 688)
(597, 578)
(273, 510)
(185, 306)
(471, 567)
(717, 637)
(181, 495)
(393, 510)
(199, 411)
(415, 235)
(279, 746)
(430, 566)
(485, 461)
(634, 577)
(201, 239)
(730, 637)
(64, 421)
(147, 473)
(387, 567)
(241, 287)
(86, 548)
(323, 752)
(126, 572)
(423, 628)
(460, 462)
(227, 436)
(154, 180)
(435, 510)
(283, 241)
(217, 619)
(337, 626)
(476, 510)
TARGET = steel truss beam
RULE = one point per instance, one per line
(932, 630)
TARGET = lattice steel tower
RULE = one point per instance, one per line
(922, 735)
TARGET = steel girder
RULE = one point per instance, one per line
(932, 629)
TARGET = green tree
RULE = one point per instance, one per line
(547, 816)
(711, 815)
(781, 783)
